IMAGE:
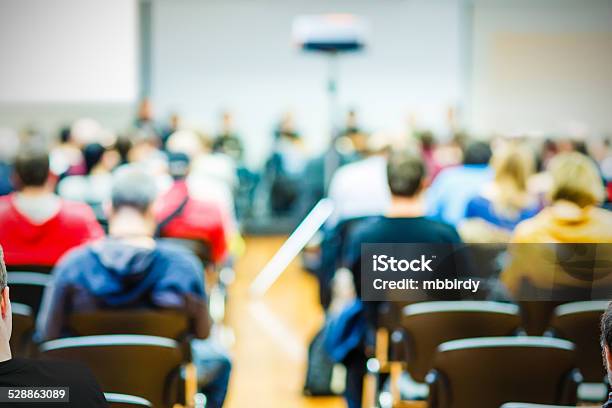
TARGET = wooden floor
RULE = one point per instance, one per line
(272, 334)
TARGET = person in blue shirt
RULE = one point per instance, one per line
(451, 191)
(129, 269)
(505, 201)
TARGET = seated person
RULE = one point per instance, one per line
(36, 226)
(369, 174)
(606, 344)
(94, 187)
(21, 372)
(129, 269)
(505, 201)
(454, 187)
(195, 207)
(573, 217)
(228, 142)
(404, 222)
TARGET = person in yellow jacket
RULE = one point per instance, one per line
(573, 218)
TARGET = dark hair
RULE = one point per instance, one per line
(477, 153)
(405, 174)
(32, 166)
(65, 135)
(606, 328)
(3, 275)
(92, 154)
(132, 187)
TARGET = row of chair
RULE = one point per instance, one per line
(428, 340)
(143, 352)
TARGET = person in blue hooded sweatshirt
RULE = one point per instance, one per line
(129, 269)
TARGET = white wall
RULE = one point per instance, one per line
(61, 53)
(542, 66)
(217, 54)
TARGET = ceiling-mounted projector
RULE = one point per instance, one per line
(331, 33)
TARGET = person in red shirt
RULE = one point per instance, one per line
(36, 226)
(189, 218)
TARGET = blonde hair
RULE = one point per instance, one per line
(575, 178)
(513, 165)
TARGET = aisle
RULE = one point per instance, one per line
(272, 334)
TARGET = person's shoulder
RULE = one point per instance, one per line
(176, 254)
(78, 255)
(6, 202)
(445, 231)
(75, 211)
(529, 229)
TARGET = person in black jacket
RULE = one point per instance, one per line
(20, 373)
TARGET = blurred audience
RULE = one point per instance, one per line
(285, 167)
(36, 226)
(572, 217)
(454, 187)
(94, 187)
(129, 269)
(228, 141)
(505, 201)
(403, 221)
(360, 189)
(145, 120)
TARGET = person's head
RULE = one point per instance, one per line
(92, 154)
(513, 165)
(227, 121)
(64, 135)
(32, 167)
(477, 153)
(132, 196)
(575, 178)
(606, 339)
(145, 110)
(405, 174)
(6, 319)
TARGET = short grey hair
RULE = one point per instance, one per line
(133, 187)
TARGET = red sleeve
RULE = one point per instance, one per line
(218, 241)
(89, 227)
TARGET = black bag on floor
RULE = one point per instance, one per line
(320, 368)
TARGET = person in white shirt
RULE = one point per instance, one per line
(360, 189)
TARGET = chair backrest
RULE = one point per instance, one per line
(126, 401)
(428, 324)
(126, 363)
(578, 322)
(30, 268)
(538, 304)
(162, 323)
(28, 288)
(23, 327)
(490, 371)
(200, 248)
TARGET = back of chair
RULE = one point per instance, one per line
(28, 288)
(23, 327)
(162, 323)
(428, 324)
(125, 364)
(490, 371)
(126, 401)
(46, 269)
(579, 322)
